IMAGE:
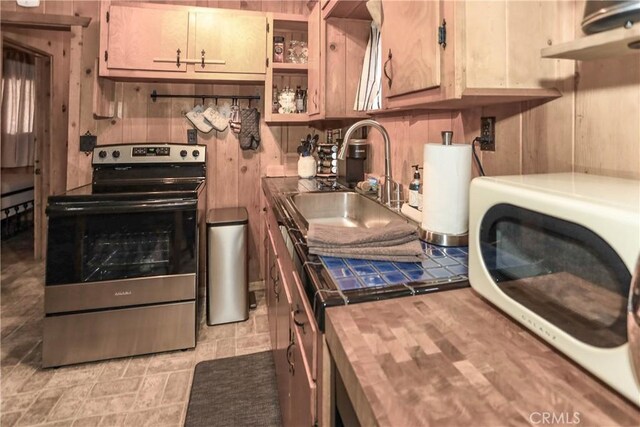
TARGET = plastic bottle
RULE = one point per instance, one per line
(299, 99)
(414, 188)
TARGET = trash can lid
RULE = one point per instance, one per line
(227, 216)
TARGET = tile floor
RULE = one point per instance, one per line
(143, 390)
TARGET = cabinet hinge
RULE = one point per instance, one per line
(107, 16)
(267, 27)
(442, 34)
(106, 56)
(267, 62)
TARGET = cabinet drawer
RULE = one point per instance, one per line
(303, 319)
(84, 337)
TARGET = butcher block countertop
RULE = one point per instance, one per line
(450, 358)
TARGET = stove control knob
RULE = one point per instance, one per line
(196, 153)
(183, 153)
(116, 154)
(102, 154)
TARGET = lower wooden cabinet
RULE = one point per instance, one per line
(293, 333)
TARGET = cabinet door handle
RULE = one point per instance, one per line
(202, 63)
(178, 58)
(384, 68)
(297, 322)
(292, 368)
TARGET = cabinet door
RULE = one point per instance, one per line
(411, 60)
(147, 39)
(283, 343)
(230, 42)
(315, 59)
(271, 278)
(303, 388)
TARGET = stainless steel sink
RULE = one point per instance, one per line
(341, 209)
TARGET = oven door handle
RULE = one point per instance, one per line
(106, 207)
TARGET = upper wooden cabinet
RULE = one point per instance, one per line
(157, 41)
(412, 61)
(230, 42)
(461, 54)
(143, 39)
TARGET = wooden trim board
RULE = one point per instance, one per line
(47, 21)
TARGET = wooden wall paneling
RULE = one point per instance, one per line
(59, 137)
(134, 120)
(227, 151)
(468, 123)
(61, 7)
(158, 115)
(249, 191)
(41, 186)
(608, 117)
(74, 168)
(486, 62)
(211, 140)
(110, 131)
(272, 6)
(178, 123)
(35, 10)
(507, 159)
(9, 6)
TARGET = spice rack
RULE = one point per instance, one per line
(327, 160)
(285, 74)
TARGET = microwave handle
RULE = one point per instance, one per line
(633, 320)
(93, 208)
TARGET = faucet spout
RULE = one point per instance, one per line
(387, 152)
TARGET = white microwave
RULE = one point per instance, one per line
(555, 252)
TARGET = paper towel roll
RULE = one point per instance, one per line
(447, 173)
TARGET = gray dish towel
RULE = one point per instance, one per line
(397, 241)
(250, 132)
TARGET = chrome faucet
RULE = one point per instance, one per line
(389, 183)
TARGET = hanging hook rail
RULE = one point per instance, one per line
(155, 95)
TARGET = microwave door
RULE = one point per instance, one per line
(559, 270)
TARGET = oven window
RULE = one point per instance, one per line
(560, 270)
(93, 248)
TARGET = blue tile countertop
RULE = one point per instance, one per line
(441, 263)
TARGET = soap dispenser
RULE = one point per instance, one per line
(414, 188)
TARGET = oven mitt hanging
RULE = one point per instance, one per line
(197, 119)
(217, 120)
(235, 121)
(250, 132)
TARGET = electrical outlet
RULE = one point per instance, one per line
(488, 133)
(192, 136)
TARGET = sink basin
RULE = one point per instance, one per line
(341, 209)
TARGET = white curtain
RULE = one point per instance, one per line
(18, 109)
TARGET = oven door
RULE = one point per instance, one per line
(120, 253)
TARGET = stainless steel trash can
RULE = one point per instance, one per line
(227, 266)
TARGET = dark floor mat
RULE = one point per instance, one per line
(237, 391)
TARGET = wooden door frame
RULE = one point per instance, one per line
(42, 139)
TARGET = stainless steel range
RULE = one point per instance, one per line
(123, 255)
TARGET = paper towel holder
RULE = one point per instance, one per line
(441, 239)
